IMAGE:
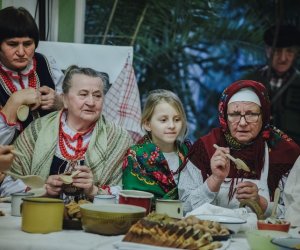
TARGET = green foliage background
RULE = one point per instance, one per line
(193, 47)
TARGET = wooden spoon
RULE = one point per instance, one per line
(272, 219)
(68, 179)
(238, 162)
(32, 181)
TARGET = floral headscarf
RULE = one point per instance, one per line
(283, 151)
(262, 94)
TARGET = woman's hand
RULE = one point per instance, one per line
(219, 164)
(54, 185)
(85, 180)
(49, 99)
(247, 190)
(29, 96)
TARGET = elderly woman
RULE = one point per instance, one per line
(209, 176)
(76, 138)
(26, 78)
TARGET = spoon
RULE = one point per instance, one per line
(32, 181)
(238, 162)
(68, 179)
(272, 219)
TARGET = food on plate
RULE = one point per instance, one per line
(72, 209)
(187, 233)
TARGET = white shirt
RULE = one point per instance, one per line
(194, 192)
(173, 162)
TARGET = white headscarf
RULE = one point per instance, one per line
(245, 95)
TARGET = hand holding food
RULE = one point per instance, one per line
(54, 185)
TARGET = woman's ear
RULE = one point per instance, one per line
(64, 100)
(146, 126)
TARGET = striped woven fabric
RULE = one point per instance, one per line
(122, 103)
(104, 155)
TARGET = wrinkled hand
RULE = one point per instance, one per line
(219, 164)
(48, 98)
(247, 190)
(29, 96)
(54, 185)
(84, 180)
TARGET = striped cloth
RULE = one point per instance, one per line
(122, 103)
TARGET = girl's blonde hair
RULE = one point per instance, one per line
(158, 96)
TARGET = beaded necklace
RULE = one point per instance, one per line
(9, 83)
(65, 142)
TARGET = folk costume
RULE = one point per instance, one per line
(47, 152)
(147, 168)
(270, 157)
(39, 72)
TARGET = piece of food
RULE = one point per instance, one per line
(188, 233)
(22, 112)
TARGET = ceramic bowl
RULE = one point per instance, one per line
(287, 244)
(110, 219)
(136, 198)
(263, 225)
(105, 199)
(232, 223)
(261, 239)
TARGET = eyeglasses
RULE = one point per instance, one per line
(249, 118)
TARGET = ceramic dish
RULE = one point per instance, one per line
(263, 225)
(261, 239)
(123, 245)
(286, 244)
(232, 223)
(109, 219)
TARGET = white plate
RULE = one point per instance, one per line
(123, 245)
(221, 218)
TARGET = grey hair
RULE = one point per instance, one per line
(74, 69)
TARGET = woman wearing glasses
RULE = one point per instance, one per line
(210, 177)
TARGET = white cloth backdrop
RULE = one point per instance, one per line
(122, 101)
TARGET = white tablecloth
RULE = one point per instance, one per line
(13, 238)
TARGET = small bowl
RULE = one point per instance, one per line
(261, 239)
(232, 223)
(287, 244)
(105, 199)
(136, 198)
(110, 219)
(263, 225)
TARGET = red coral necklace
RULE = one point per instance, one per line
(65, 141)
(9, 83)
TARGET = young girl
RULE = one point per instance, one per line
(152, 164)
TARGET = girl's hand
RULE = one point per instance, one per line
(219, 164)
(85, 180)
(54, 185)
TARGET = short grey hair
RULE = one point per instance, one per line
(74, 69)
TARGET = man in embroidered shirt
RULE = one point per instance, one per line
(281, 78)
